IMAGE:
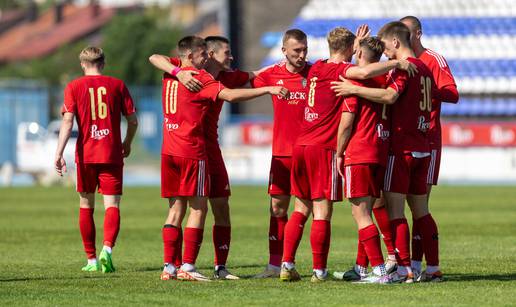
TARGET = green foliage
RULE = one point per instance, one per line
(42, 249)
(129, 41)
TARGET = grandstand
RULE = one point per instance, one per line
(476, 37)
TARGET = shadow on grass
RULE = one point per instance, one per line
(475, 277)
(202, 268)
(103, 276)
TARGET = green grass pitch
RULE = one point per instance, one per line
(41, 254)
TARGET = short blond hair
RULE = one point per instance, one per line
(340, 39)
(92, 55)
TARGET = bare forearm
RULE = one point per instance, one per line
(132, 126)
(377, 95)
(370, 70)
(238, 95)
(161, 62)
(64, 136)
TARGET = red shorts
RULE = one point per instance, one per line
(108, 177)
(279, 176)
(433, 169)
(314, 174)
(183, 177)
(363, 180)
(406, 174)
(219, 184)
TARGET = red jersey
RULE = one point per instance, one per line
(442, 77)
(411, 112)
(369, 139)
(98, 102)
(184, 115)
(288, 113)
(230, 79)
(323, 109)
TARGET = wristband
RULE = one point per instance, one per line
(175, 71)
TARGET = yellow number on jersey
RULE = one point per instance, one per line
(171, 97)
(426, 90)
(311, 92)
(102, 106)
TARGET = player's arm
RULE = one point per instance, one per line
(242, 94)
(186, 77)
(132, 126)
(343, 136)
(378, 95)
(64, 136)
(379, 68)
(254, 73)
(446, 94)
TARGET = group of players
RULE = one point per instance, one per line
(374, 125)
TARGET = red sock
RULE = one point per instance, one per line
(276, 238)
(178, 256)
(293, 235)
(87, 227)
(401, 239)
(362, 259)
(417, 245)
(192, 241)
(370, 239)
(111, 226)
(221, 242)
(320, 236)
(170, 236)
(382, 220)
(430, 238)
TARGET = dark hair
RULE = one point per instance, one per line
(396, 29)
(296, 34)
(414, 21)
(374, 47)
(215, 42)
(190, 43)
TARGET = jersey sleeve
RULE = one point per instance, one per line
(69, 103)
(442, 73)
(211, 88)
(397, 80)
(350, 104)
(261, 80)
(175, 61)
(234, 79)
(128, 107)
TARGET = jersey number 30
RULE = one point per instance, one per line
(426, 90)
(102, 106)
(171, 97)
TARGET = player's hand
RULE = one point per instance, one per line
(407, 66)
(126, 149)
(363, 31)
(342, 87)
(279, 90)
(186, 77)
(60, 165)
(340, 165)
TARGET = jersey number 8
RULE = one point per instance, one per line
(102, 106)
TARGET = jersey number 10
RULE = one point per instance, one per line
(426, 90)
(171, 97)
(101, 105)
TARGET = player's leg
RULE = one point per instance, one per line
(87, 180)
(320, 235)
(221, 236)
(87, 228)
(293, 234)
(193, 237)
(110, 185)
(384, 224)
(172, 235)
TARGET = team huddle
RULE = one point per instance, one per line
(368, 131)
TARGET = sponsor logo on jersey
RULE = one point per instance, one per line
(310, 116)
(382, 134)
(98, 134)
(170, 126)
(304, 82)
(422, 124)
(279, 82)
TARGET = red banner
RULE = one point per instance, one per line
(257, 134)
(498, 134)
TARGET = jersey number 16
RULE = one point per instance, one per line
(101, 105)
